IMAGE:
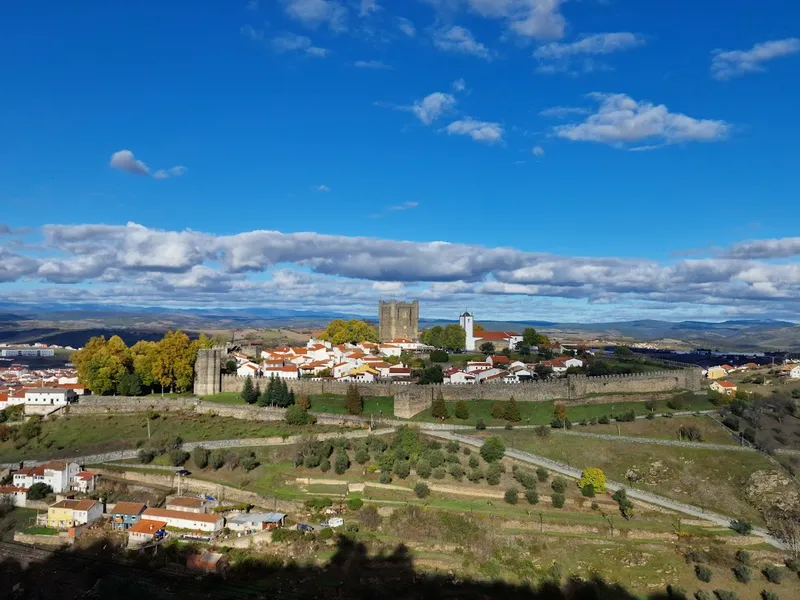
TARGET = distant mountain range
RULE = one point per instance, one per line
(52, 321)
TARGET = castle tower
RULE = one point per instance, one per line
(398, 320)
(467, 323)
(208, 372)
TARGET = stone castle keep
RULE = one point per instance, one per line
(398, 320)
(411, 399)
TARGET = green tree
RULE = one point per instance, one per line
(352, 331)
(39, 491)
(433, 336)
(200, 457)
(623, 352)
(511, 412)
(431, 375)
(487, 348)
(557, 500)
(439, 356)
(493, 449)
(594, 477)
(531, 338)
(216, 459)
(143, 353)
(454, 337)
(511, 496)
(178, 457)
(421, 490)
(439, 408)
(543, 371)
(532, 496)
(248, 393)
(129, 385)
(340, 463)
(297, 415)
(462, 410)
(353, 403)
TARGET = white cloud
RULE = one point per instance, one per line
(536, 19)
(775, 248)
(460, 39)
(403, 206)
(621, 120)
(371, 64)
(321, 188)
(480, 131)
(314, 13)
(173, 172)
(560, 112)
(537, 151)
(432, 106)
(125, 161)
(562, 57)
(459, 85)
(298, 43)
(726, 64)
(406, 26)
(368, 7)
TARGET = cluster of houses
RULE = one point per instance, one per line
(61, 476)
(16, 380)
(789, 369)
(501, 368)
(39, 399)
(364, 362)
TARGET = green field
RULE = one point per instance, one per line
(667, 429)
(713, 479)
(538, 413)
(71, 436)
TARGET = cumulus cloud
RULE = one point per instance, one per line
(726, 64)
(432, 106)
(371, 64)
(774, 248)
(314, 13)
(459, 85)
(460, 39)
(561, 112)
(564, 57)
(367, 7)
(406, 26)
(480, 131)
(124, 160)
(536, 19)
(298, 43)
(537, 151)
(622, 120)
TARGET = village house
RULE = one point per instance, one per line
(69, 513)
(126, 514)
(498, 361)
(562, 363)
(83, 482)
(399, 372)
(49, 396)
(501, 340)
(16, 496)
(715, 372)
(191, 504)
(724, 387)
(285, 372)
(146, 531)
(248, 369)
(208, 523)
(57, 474)
(475, 366)
(254, 522)
(207, 562)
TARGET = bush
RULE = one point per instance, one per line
(439, 356)
(200, 457)
(532, 496)
(511, 496)
(691, 433)
(773, 574)
(297, 415)
(765, 595)
(362, 456)
(402, 468)
(355, 503)
(693, 556)
(439, 473)
(587, 491)
(702, 595)
(742, 573)
(286, 535)
(493, 449)
(216, 459)
(678, 402)
(741, 527)
(421, 490)
(475, 475)
(386, 477)
(340, 463)
(146, 456)
(703, 573)
(178, 457)
(439, 408)
(452, 447)
(543, 431)
(542, 474)
(512, 412)
(792, 563)
(423, 468)
(456, 471)
(726, 595)
(627, 416)
(249, 462)
(462, 410)
(480, 425)
(369, 516)
(594, 477)
(743, 556)
(39, 491)
(557, 500)
(324, 534)
(731, 422)
(750, 435)
(474, 462)
(676, 593)
(604, 420)
(325, 465)
(559, 485)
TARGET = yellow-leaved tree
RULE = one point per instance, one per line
(594, 477)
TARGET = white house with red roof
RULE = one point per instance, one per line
(500, 339)
(390, 349)
(58, 474)
(84, 482)
(341, 369)
(248, 368)
(285, 372)
(455, 376)
(724, 387)
(399, 372)
(474, 366)
(17, 496)
(499, 360)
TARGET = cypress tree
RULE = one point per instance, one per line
(439, 408)
(273, 391)
(283, 394)
(352, 401)
(512, 411)
(247, 390)
(291, 398)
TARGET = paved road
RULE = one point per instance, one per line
(648, 497)
(657, 441)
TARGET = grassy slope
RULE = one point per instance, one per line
(326, 403)
(71, 436)
(667, 429)
(714, 479)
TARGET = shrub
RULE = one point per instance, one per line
(511, 496)
(402, 468)
(512, 412)
(421, 490)
(200, 457)
(452, 447)
(146, 456)
(558, 500)
(792, 563)
(691, 433)
(436, 458)
(474, 463)
(765, 595)
(286, 535)
(542, 474)
(462, 410)
(39, 491)
(627, 416)
(297, 415)
(693, 556)
(439, 473)
(731, 422)
(750, 435)
(595, 506)
(475, 475)
(773, 574)
(340, 463)
(423, 469)
(498, 410)
(439, 356)
(604, 420)
(178, 457)
(532, 496)
(325, 465)
(594, 477)
(353, 402)
(456, 471)
(726, 595)
(676, 593)
(703, 573)
(742, 573)
(493, 449)
(678, 402)
(249, 462)
(480, 425)
(741, 526)
(588, 491)
(557, 424)
(743, 556)
(362, 456)
(439, 408)
(369, 517)
(650, 416)
(702, 595)
(559, 485)
(493, 474)
(216, 460)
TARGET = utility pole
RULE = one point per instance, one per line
(147, 420)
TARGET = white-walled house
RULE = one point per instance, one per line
(248, 368)
(390, 350)
(475, 366)
(58, 474)
(49, 396)
(210, 523)
(286, 372)
(16, 496)
(794, 373)
(462, 377)
(341, 369)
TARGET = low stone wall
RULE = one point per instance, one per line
(43, 540)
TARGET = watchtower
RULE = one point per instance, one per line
(398, 320)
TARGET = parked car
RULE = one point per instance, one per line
(183, 472)
(305, 527)
(335, 522)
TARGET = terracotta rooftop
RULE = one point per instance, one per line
(147, 526)
(177, 514)
(186, 501)
(128, 508)
(85, 504)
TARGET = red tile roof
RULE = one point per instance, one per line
(128, 508)
(187, 501)
(178, 514)
(146, 526)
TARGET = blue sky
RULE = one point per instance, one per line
(619, 154)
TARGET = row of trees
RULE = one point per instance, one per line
(451, 337)
(277, 393)
(111, 367)
(353, 331)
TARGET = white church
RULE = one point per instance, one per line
(500, 339)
